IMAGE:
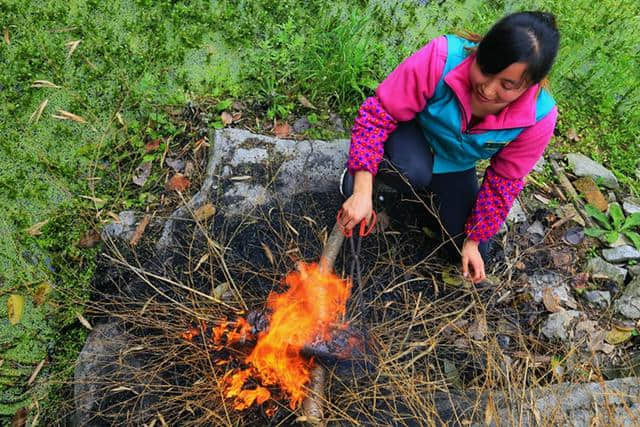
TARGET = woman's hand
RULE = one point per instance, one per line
(471, 258)
(359, 205)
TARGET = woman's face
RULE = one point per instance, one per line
(492, 92)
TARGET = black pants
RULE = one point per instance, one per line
(407, 152)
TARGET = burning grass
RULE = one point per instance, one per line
(445, 352)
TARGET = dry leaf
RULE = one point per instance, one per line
(282, 130)
(178, 182)
(189, 168)
(45, 83)
(72, 45)
(220, 290)
(268, 253)
(236, 116)
(15, 308)
(305, 102)
(20, 417)
(551, 301)
(140, 230)
(572, 134)
(5, 31)
(478, 330)
(38, 113)
(152, 146)
(36, 371)
(65, 115)
(84, 321)
(204, 212)
(141, 174)
(119, 118)
(89, 240)
(34, 230)
(41, 293)
(203, 258)
(226, 118)
(618, 336)
(451, 277)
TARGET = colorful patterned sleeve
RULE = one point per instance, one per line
(371, 129)
(495, 198)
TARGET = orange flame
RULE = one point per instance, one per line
(314, 301)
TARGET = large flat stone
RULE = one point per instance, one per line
(601, 268)
(621, 254)
(584, 166)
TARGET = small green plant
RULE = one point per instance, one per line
(614, 224)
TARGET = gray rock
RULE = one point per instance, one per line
(301, 125)
(628, 304)
(634, 270)
(336, 121)
(175, 164)
(540, 164)
(601, 299)
(542, 280)
(621, 254)
(611, 197)
(536, 229)
(516, 214)
(584, 166)
(268, 169)
(631, 206)
(120, 230)
(558, 324)
(601, 268)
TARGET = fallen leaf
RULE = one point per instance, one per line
(557, 369)
(41, 293)
(542, 199)
(618, 335)
(579, 281)
(36, 371)
(451, 277)
(119, 118)
(551, 301)
(236, 116)
(268, 253)
(561, 259)
(72, 46)
(15, 308)
(178, 182)
(84, 321)
(305, 102)
(203, 258)
(282, 130)
(572, 134)
(597, 342)
(34, 230)
(20, 417)
(204, 212)
(478, 329)
(189, 168)
(141, 174)
(65, 115)
(226, 118)
(152, 146)
(140, 230)
(5, 31)
(219, 290)
(45, 83)
(89, 240)
(592, 194)
(35, 116)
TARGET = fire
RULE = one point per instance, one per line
(313, 304)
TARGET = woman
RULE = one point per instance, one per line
(450, 104)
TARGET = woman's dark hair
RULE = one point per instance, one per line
(528, 37)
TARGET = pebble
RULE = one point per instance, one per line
(516, 214)
(628, 304)
(504, 341)
(601, 299)
(631, 206)
(634, 270)
(621, 254)
(584, 166)
(599, 267)
(301, 125)
(557, 324)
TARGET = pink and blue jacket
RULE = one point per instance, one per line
(415, 90)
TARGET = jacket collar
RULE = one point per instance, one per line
(519, 113)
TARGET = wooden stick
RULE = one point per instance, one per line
(312, 406)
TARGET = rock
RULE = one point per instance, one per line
(121, 230)
(620, 241)
(516, 214)
(569, 210)
(336, 121)
(266, 169)
(301, 125)
(175, 164)
(542, 280)
(588, 188)
(574, 236)
(503, 341)
(602, 269)
(536, 232)
(600, 299)
(628, 304)
(584, 166)
(621, 254)
(611, 197)
(631, 206)
(540, 164)
(558, 324)
(634, 270)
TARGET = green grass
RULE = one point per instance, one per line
(138, 58)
